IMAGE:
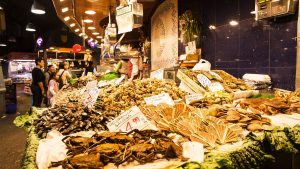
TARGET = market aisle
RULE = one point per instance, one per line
(12, 138)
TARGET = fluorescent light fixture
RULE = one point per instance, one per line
(67, 18)
(253, 12)
(66, 9)
(2, 44)
(95, 33)
(233, 23)
(51, 48)
(76, 30)
(30, 27)
(72, 25)
(80, 34)
(99, 37)
(61, 0)
(37, 8)
(212, 27)
(85, 37)
(1, 8)
(91, 28)
(90, 12)
(88, 21)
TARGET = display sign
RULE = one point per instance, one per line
(158, 74)
(119, 80)
(191, 48)
(216, 86)
(92, 84)
(161, 98)
(216, 75)
(193, 97)
(204, 81)
(130, 120)
(90, 96)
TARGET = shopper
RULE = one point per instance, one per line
(48, 76)
(89, 69)
(53, 88)
(64, 74)
(38, 83)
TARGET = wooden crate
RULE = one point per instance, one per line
(190, 83)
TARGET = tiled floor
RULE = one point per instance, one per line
(12, 138)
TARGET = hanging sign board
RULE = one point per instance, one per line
(130, 120)
(161, 98)
(129, 17)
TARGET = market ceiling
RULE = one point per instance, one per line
(18, 14)
(84, 16)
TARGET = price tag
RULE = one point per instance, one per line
(91, 84)
(130, 120)
(161, 98)
(158, 74)
(204, 81)
(216, 86)
(192, 98)
(90, 96)
(216, 75)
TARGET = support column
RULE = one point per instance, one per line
(297, 86)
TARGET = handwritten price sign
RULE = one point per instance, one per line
(130, 120)
(91, 96)
(161, 98)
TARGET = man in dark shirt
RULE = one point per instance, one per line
(38, 83)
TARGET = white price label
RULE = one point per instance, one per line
(204, 81)
(92, 84)
(216, 75)
(192, 98)
(161, 98)
(216, 86)
(91, 96)
(158, 74)
(130, 120)
(119, 80)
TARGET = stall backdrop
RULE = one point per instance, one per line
(250, 47)
(164, 35)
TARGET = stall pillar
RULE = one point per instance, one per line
(298, 53)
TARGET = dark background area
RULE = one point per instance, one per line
(265, 47)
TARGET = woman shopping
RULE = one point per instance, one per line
(53, 88)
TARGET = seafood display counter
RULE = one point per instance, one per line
(153, 123)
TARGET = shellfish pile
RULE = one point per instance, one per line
(118, 148)
(251, 120)
(229, 83)
(69, 118)
(192, 123)
(114, 99)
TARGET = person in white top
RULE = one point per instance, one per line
(64, 73)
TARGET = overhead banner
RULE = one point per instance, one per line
(164, 35)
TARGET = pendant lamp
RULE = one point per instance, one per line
(37, 8)
(30, 27)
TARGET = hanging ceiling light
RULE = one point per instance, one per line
(91, 28)
(233, 23)
(2, 41)
(37, 8)
(90, 12)
(88, 21)
(30, 27)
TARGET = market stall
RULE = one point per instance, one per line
(212, 129)
(186, 115)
